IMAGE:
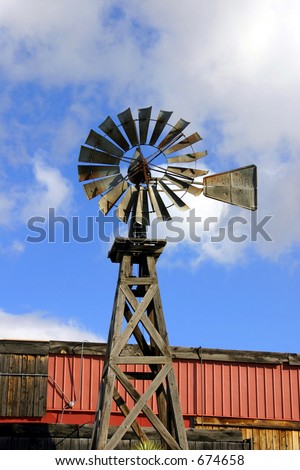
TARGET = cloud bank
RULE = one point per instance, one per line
(40, 326)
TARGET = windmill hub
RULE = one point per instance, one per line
(138, 170)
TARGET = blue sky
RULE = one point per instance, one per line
(233, 72)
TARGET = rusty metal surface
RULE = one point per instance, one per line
(96, 140)
(161, 122)
(144, 121)
(110, 128)
(129, 126)
(110, 198)
(237, 187)
(94, 188)
(220, 389)
(89, 172)
(174, 134)
(90, 155)
(188, 157)
(192, 139)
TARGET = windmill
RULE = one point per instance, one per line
(142, 166)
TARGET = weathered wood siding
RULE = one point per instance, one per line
(70, 437)
(23, 382)
(263, 434)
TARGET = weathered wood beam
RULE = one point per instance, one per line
(247, 423)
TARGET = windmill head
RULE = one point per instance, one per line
(138, 167)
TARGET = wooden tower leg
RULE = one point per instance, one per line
(138, 314)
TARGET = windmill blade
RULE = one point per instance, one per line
(110, 128)
(188, 157)
(144, 121)
(110, 198)
(94, 188)
(173, 196)
(133, 168)
(142, 209)
(90, 155)
(174, 134)
(237, 187)
(129, 126)
(125, 206)
(161, 123)
(96, 140)
(88, 172)
(192, 139)
(184, 185)
(186, 172)
(157, 204)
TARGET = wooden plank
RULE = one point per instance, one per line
(25, 409)
(101, 424)
(24, 347)
(176, 409)
(14, 385)
(295, 440)
(71, 347)
(44, 436)
(256, 441)
(289, 440)
(160, 392)
(139, 337)
(269, 439)
(262, 439)
(142, 317)
(125, 410)
(163, 432)
(40, 386)
(75, 348)
(141, 360)
(4, 364)
(276, 439)
(229, 355)
(282, 439)
(138, 281)
(251, 423)
(136, 317)
(155, 336)
(33, 395)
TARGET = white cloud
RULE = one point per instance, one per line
(40, 326)
(47, 187)
(50, 189)
(236, 65)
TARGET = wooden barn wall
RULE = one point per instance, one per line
(70, 437)
(23, 381)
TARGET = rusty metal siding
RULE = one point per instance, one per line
(220, 389)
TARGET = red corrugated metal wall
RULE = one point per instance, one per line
(217, 389)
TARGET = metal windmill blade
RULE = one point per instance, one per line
(157, 174)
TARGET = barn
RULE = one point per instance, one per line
(229, 399)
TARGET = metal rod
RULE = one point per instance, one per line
(20, 374)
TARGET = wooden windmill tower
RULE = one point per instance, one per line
(138, 166)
